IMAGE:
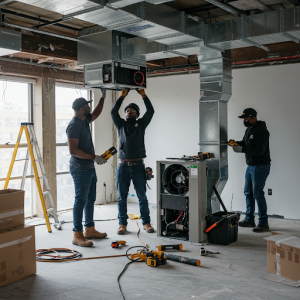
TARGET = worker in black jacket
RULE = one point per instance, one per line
(255, 145)
(131, 153)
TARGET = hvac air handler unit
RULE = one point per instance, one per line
(106, 63)
(181, 199)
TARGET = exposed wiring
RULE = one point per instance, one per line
(4, 84)
(126, 266)
(44, 255)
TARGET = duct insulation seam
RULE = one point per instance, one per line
(215, 92)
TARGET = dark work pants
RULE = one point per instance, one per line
(125, 174)
(255, 179)
(85, 196)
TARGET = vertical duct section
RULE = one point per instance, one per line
(215, 92)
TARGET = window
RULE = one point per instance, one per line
(64, 98)
(9, 138)
(9, 122)
(14, 105)
(21, 120)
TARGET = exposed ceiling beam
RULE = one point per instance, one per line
(32, 29)
(34, 70)
(227, 7)
(6, 11)
(6, 2)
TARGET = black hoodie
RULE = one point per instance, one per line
(132, 132)
(256, 145)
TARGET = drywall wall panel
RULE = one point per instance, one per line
(274, 92)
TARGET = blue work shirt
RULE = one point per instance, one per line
(80, 130)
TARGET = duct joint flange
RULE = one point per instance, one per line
(246, 40)
(282, 28)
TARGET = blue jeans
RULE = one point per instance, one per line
(85, 197)
(255, 180)
(137, 174)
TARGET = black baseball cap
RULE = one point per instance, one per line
(134, 106)
(80, 102)
(248, 112)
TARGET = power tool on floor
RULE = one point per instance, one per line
(169, 247)
(109, 153)
(116, 244)
(155, 258)
(152, 258)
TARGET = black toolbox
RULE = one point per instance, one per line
(227, 231)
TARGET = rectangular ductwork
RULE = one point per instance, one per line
(105, 63)
(10, 41)
(215, 92)
(255, 30)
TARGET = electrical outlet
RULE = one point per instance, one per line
(270, 192)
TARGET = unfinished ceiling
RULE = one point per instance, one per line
(36, 19)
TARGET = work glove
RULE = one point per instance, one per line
(238, 149)
(141, 92)
(100, 160)
(125, 93)
(103, 91)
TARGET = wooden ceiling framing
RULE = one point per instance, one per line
(52, 51)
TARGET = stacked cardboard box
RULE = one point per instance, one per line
(17, 241)
(284, 256)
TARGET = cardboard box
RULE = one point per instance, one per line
(284, 256)
(11, 208)
(17, 253)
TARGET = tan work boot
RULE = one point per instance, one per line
(122, 229)
(148, 228)
(80, 240)
(92, 233)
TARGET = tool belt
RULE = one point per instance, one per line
(131, 163)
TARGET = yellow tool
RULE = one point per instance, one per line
(133, 216)
(109, 153)
(203, 156)
(232, 143)
(155, 258)
(169, 247)
(141, 255)
(116, 244)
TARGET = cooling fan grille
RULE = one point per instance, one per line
(176, 179)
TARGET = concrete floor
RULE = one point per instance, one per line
(234, 274)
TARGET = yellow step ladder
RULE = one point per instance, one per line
(33, 145)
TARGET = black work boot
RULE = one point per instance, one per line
(261, 228)
(246, 224)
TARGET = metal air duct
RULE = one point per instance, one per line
(10, 41)
(215, 92)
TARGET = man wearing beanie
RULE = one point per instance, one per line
(255, 145)
(131, 153)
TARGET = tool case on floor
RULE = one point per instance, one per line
(227, 231)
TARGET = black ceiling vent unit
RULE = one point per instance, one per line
(106, 63)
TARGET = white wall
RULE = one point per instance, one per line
(174, 131)
(102, 135)
(274, 92)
